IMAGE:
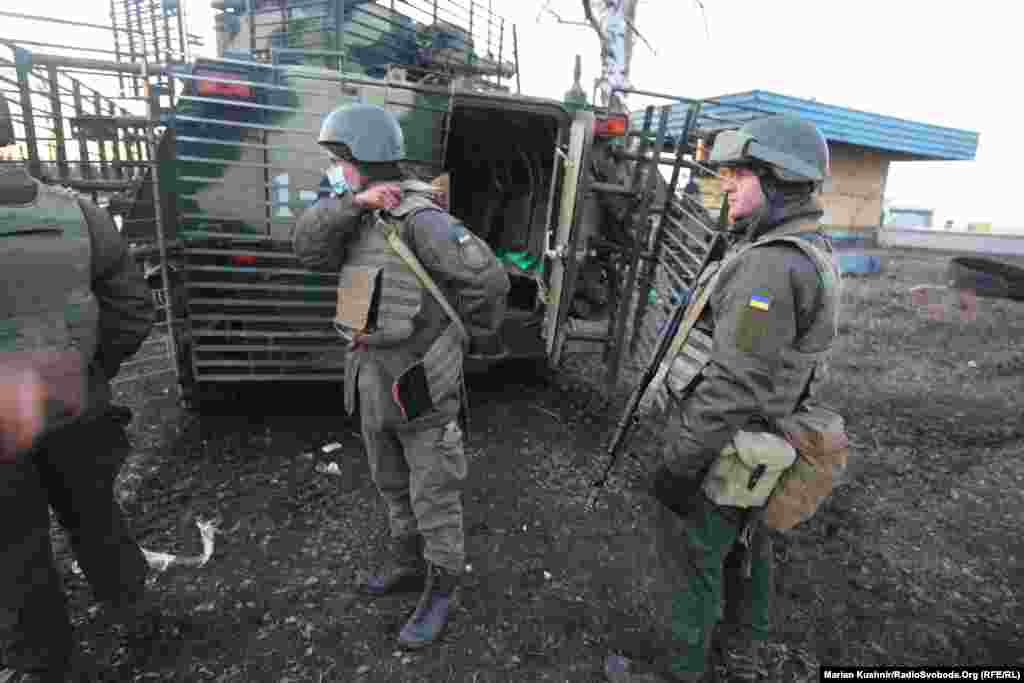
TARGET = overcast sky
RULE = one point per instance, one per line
(951, 64)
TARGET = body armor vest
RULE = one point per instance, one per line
(799, 361)
(399, 294)
(47, 304)
(398, 301)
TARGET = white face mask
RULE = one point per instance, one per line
(336, 177)
(343, 178)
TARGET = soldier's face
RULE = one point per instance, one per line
(743, 188)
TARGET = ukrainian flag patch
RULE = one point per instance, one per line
(761, 301)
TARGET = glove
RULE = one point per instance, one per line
(674, 492)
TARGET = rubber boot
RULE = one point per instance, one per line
(438, 601)
(406, 571)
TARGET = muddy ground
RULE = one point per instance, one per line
(917, 559)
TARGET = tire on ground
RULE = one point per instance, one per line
(986, 277)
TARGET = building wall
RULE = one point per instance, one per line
(852, 198)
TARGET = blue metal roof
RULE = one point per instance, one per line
(837, 124)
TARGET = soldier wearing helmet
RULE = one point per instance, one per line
(73, 307)
(770, 319)
(417, 289)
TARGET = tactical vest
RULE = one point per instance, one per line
(799, 362)
(400, 293)
(400, 298)
(46, 303)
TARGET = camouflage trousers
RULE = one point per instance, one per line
(419, 474)
(715, 588)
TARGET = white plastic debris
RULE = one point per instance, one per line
(163, 561)
(547, 576)
(972, 364)
(330, 447)
(330, 468)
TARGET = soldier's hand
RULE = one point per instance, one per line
(22, 410)
(381, 196)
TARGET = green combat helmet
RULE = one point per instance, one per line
(793, 150)
(370, 132)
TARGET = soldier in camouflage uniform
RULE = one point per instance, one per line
(73, 306)
(414, 443)
(770, 319)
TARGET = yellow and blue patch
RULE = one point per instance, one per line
(754, 322)
(761, 301)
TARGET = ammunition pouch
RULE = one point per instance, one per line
(822, 445)
(424, 385)
(747, 469)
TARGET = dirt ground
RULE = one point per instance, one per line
(916, 560)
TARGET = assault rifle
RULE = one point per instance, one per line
(629, 417)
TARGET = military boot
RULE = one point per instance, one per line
(618, 669)
(405, 572)
(440, 595)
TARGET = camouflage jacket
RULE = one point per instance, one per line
(752, 373)
(474, 282)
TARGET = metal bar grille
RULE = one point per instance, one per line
(434, 40)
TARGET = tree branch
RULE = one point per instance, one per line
(560, 20)
(589, 14)
(641, 37)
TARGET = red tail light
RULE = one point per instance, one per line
(207, 88)
(614, 126)
(243, 259)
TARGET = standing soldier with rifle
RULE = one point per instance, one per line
(738, 370)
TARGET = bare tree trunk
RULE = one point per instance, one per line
(615, 22)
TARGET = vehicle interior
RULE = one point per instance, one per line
(500, 161)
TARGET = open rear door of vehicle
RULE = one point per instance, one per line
(564, 234)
